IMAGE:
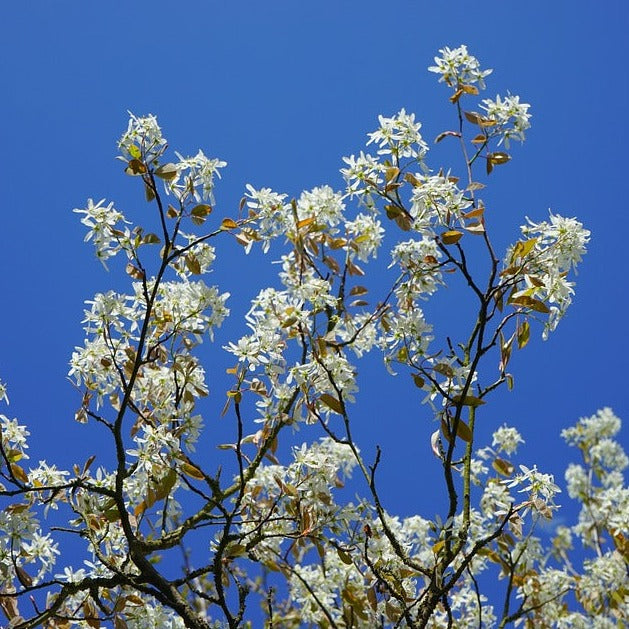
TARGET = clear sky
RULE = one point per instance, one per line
(281, 90)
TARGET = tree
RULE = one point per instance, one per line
(265, 530)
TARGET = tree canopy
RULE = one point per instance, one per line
(265, 528)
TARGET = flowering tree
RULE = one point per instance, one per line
(273, 537)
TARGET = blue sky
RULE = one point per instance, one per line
(282, 90)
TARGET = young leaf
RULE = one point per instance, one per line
(499, 157)
(524, 332)
(332, 403)
(134, 272)
(228, 223)
(151, 239)
(447, 134)
(193, 263)
(192, 470)
(525, 301)
(167, 171)
(468, 400)
(344, 556)
(451, 237)
(358, 290)
(135, 167)
(463, 431)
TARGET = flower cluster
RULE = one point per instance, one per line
(510, 116)
(106, 229)
(195, 176)
(142, 140)
(457, 68)
(344, 563)
(399, 137)
(437, 199)
(538, 266)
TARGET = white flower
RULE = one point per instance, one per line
(363, 176)
(201, 252)
(104, 230)
(577, 481)
(541, 262)
(70, 575)
(564, 238)
(322, 204)
(13, 433)
(143, 139)
(590, 429)
(507, 439)
(437, 199)
(496, 500)
(510, 115)
(399, 136)
(535, 483)
(457, 67)
(366, 232)
(420, 259)
(272, 213)
(194, 173)
(3, 392)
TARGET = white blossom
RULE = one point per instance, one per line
(457, 67)
(106, 229)
(399, 136)
(507, 439)
(142, 139)
(510, 116)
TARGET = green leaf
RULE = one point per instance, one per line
(438, 547)
(135, 151)
(235, 550)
